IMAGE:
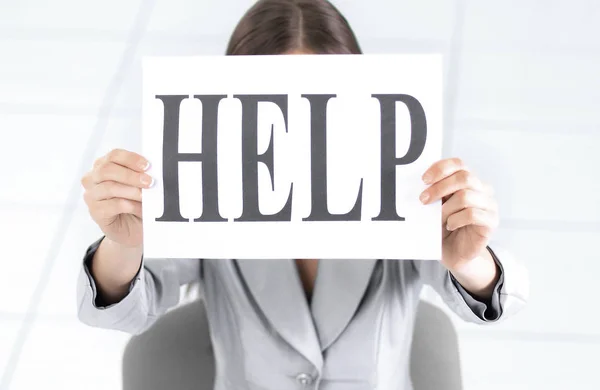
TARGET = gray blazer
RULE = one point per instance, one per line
(354, 335)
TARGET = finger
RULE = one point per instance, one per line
(86, 180)
(99, 161)
(112, 189)
(127, 159)
(443, 169)
(464, 199)
(472, 216)
(460, 180)
(111, 208)
(113, 172)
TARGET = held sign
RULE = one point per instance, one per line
(299, 156)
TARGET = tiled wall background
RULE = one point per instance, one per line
(523, 108)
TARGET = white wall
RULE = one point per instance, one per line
(523, 108)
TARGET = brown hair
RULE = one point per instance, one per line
(281, 26)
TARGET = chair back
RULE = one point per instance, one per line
(176, 353)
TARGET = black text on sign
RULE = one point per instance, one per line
(171, 157)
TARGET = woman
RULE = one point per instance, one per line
(335, 324)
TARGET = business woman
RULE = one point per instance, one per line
(298, 323)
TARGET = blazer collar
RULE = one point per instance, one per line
(338, 291)
(277, 289)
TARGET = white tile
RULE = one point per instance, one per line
(196, 17)
(75, 74)
(9, 327)
(489, 364)
(70, 356)
(69, 14)
(562, 268)
(27, 235)
(556, 87)
(414, 20)
(541, 25)
(40, 163)
(381, 45)
(548, 177)
(59, 299)
(122, 132)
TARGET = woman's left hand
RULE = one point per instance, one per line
(469, 211)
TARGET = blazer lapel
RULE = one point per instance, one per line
(277, 290)
(339, 289)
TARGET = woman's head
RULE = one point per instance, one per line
(293, 26)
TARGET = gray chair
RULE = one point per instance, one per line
(177, 349)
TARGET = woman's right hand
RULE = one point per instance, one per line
(113, 194)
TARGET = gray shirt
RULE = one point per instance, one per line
(355, 334)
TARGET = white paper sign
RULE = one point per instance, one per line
(291, 156)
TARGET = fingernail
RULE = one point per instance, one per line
(427, 179)
(144, 165)
(147, 180)
(424, 196)
(448, 228)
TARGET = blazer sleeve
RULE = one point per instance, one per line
(510, 295)
(154, 290)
